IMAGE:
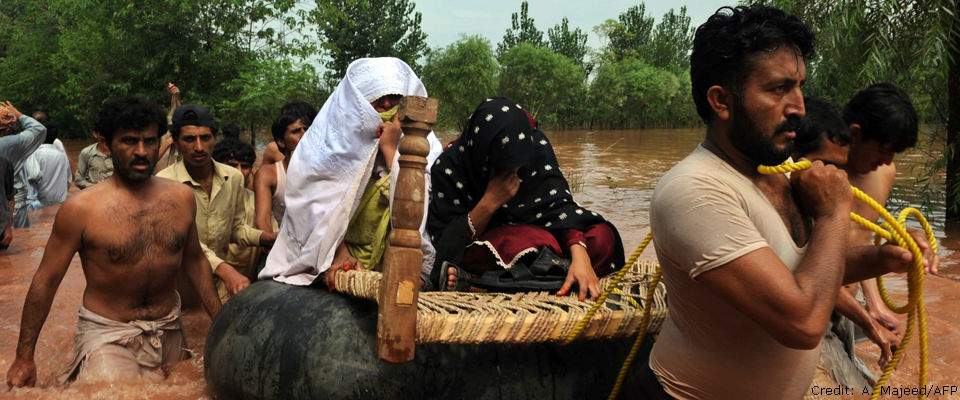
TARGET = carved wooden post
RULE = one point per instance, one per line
(400, 285)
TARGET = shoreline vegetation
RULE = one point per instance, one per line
(244, 58)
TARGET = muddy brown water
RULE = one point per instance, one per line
(610, 172)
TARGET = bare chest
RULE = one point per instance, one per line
(781, 197)
(130, 234)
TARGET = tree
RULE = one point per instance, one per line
(522, 30)
(539, 79)
(952, 160)
(263, 85)
(631, 33)
(633, 93)
(460, 76)
(672, 41)
(355, 29)
(101, 49)
(570, 43)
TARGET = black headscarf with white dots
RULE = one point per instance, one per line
(497, 137)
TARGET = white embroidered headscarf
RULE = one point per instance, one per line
(331, 166)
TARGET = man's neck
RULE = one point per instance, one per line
(134, 187)
(719, 143)
(202, 173)
(286, 161)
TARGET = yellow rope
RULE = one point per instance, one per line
(891, 230)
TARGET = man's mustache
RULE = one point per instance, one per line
(792, 123)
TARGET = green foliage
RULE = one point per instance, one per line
(539, 79)
(355, 29)
(522, 30)
(633, 93)
(671, 41)
(460, 76)
(570, 43)
(68, 56)
(263, 86)
(630, 34)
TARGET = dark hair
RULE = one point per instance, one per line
(193, 115)
(304, 110)
(724, 47)
(822, 120)
(231, 131)
(52, 133)
(282, 122)
(130, 112)
(885, 115)
(231, 148)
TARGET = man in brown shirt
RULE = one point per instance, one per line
(218, 189)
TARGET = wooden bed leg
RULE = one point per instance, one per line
(400, 286)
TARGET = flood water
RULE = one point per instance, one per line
(610, 172)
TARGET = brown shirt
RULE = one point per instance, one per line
(221, 215)
(704, 214)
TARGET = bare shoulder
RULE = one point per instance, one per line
(267, 174)
(174, 190)
(878, 180)
(80, 203)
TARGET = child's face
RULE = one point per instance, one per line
(245, 168)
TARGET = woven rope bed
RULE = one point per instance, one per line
(461, 317)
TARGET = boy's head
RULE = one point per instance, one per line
(304, 110)
(882, 122)
(822, 135)
(236, 153)
(287, 131)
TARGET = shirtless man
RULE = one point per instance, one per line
(269, 183)
(134, 233)
(302, 109)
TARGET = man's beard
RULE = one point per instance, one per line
(132, 177)
(750, 140)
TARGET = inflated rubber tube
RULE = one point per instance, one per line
(275, 341)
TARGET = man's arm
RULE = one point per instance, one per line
(197, 266)
(28, 140)
(64, 242)
(877, 184)
(271, 154)
(849, 307)
(6, 237)
(264, 186)
(244, 234)
(793, 307)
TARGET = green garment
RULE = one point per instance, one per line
(366, 236)
(388, 115)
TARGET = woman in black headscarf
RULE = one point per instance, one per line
(502, 216)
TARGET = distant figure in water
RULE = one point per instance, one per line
(134, 233)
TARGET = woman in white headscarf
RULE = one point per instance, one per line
(340, 171)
